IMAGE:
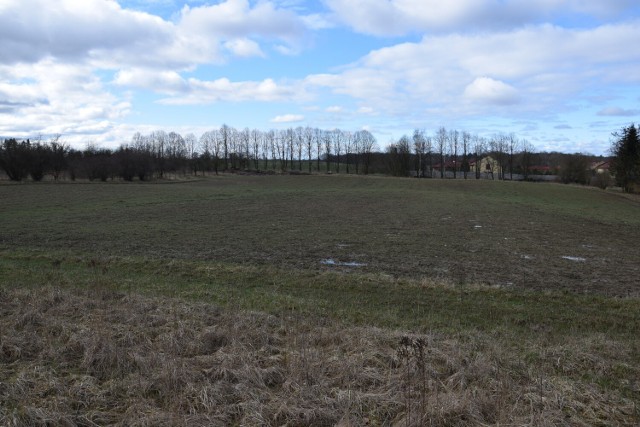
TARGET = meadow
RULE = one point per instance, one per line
(318, 300)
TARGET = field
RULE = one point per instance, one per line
(318, 300)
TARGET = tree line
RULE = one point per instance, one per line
(459, 153)
(445, 153)
(219, 150)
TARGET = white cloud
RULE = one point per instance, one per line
(162, 81)
(476, 60)
(51, 98)
(109, 36)
(397, 17)
(244, 48)
(194, 91)
(288, 118)
(366, 110)
(618, 112)
(237, 18)
(242, 26)
(317, 22)
(334, 109)
(490, 91)
(65, 29)
(546, 68)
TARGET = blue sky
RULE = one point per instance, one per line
(562, 74)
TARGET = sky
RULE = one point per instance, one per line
(562, 74)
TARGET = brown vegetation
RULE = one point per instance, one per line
(101, 357)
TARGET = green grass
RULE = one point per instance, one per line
(444, 255)
(359, 299)
(495, 233)
(478, 263)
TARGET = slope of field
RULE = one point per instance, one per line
(496, 233)
(318, 300)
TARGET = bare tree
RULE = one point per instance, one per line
(454, 142)
(281, 143)
(234, 146)
(526, 157)
(512, 143)
(291, 143)
(176, 152)
(419, 148)
(191, 145)
(299, 144)
(466, 143)
(224, 137)
(272, 139)
(499, 147)
(368, 144)
(58, 156)
(244, 148)
(338, 140)
(441, 144)
(479, 145)
(428, 147)
(159, 141)
(256, 144)
(399, 157)
(267, 148)
(326, 137)
(212, 143)
(308, 140)
(356, 145)
(317, 135)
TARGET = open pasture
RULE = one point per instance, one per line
(318, 300)
(527, 236)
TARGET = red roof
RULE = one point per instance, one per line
(601, 165)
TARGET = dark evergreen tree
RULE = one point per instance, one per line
(626, 161)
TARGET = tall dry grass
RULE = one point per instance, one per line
(99, 357)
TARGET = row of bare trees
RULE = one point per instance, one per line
(302, 149)
(444, 153)
(459, 154)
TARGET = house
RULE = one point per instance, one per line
(488, 166)
(600, 167)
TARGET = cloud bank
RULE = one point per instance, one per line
(87, 69)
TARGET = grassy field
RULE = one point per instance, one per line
(371, 301)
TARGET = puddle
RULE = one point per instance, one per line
(331, 261)
(575, 258)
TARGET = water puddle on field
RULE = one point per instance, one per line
(574, 258)
(331, 261)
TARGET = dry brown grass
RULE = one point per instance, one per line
(99, 357)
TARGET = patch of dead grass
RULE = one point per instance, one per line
(71, 357)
